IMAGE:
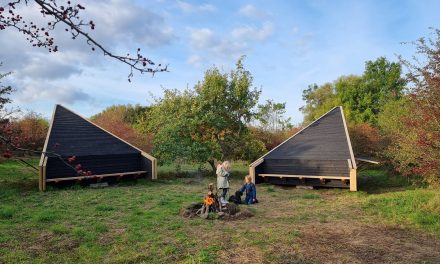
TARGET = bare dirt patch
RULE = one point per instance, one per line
(340, 242)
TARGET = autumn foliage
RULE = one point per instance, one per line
(366, 140)
(413, 124)
(25, 135)
(272, 138)
(118, 120)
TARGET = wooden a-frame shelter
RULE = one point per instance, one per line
(318, 155)
(95, 149)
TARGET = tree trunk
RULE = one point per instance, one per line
(212, 163)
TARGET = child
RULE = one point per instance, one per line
(251, 190)
(223, 179)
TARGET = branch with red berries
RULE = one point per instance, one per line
(68, 15)
(11, 143)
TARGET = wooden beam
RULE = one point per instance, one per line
(368, 161)
(252, 173)
(43, 178)
(353, 180)
(304, 176)
(153, 164)
(348, 139)
(40, 178)
(252, 168)
(99, 176)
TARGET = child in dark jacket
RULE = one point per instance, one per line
(251, 190)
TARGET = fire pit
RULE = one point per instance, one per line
(211, 208)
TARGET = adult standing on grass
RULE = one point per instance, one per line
(223, 179)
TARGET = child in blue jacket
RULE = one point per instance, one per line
(251, 190)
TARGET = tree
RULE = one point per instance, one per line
(413, 124)
(319, 100)
(363, 97)
(271, 116)
(207, 123)
(67, 15)
(5, 92)
(32, 128)
(272, 138)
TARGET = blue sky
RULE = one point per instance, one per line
(288, 45)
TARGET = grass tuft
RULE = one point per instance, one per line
(311, 196)
(104, 208)
(7, 212)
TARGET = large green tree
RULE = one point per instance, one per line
(207, 123)
(363, 97)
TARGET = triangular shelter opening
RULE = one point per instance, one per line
(73, 140)
(318, 155)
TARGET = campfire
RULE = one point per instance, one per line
(211, 208)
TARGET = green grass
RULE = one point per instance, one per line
(420, 208)
(139, 221)
(311, 196)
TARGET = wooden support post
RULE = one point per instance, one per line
(252, 173)
(353, 180)
(252, 169)
(155, 170)
(43, 175)
(153, 164)
(40, 178)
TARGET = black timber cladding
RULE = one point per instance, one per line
(321, 149)
(71, 135)
(95, 149)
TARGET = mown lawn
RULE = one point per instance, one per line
(388, 221)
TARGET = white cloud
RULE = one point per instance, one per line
(64, 94)
(202, 38)
(238, 41)
(250, 10)
(119, 22)
(195, 60)
(188, 8)
(249, 32)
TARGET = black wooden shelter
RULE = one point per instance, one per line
(75, 142)
(318, 155)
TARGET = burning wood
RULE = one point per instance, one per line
(210, 203)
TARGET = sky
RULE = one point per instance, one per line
(288, 45)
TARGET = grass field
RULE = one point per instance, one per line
(388, 221)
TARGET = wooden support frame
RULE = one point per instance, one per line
(98, 176)
(353, 180)
(303, 177)
(42, 174)
(252, 168)
(153, 164)
(353, 176)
